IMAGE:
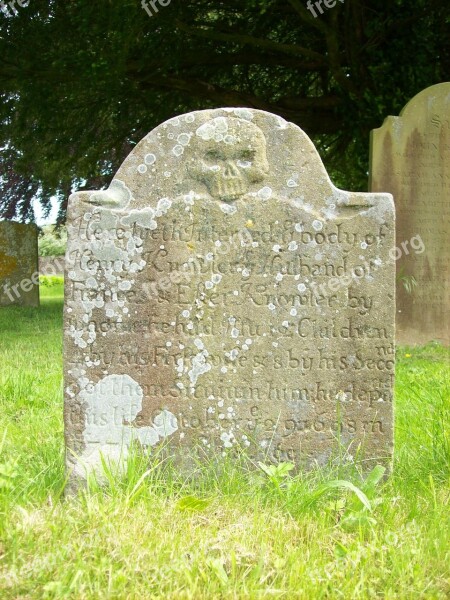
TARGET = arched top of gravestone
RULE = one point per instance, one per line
(228, 155)
(431, 103)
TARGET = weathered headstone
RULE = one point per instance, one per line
(19, 271)
(223, 296)
(410, 158)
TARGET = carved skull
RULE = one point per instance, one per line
(231, 156)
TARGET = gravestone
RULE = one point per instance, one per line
(19, 271)
(222, 296)
(410, 158)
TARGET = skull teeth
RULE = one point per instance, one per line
(230, 190)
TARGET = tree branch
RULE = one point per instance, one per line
(307, 17)
(291, 49)
(308, 113)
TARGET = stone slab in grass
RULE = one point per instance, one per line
(19, 271)
(223, 297)
(410, 158)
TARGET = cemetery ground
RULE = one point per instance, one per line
(240, 533)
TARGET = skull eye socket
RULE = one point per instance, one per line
(213, 156)
(247, 155)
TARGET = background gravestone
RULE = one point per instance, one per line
(19, 271)
(410, 158)
(223, 296)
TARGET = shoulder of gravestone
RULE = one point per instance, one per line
(390, 122)
(77, 200)
(379, 205)
(116, 197)
(352, 204)
(369, 198)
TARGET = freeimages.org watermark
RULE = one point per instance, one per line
(318, 6)
(152, 7)
(14, 292)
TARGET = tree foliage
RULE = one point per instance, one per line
(82, 82)
(52, 241)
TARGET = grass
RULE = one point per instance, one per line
(237, 534)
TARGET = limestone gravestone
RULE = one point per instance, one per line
(222, 296)
(410, 158)
(19, 271)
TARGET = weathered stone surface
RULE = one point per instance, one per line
(19, 272)
(223, 296)
(410, 158)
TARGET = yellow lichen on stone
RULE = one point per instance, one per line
(8, 265)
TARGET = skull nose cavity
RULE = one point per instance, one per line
(231, 171)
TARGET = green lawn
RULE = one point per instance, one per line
(239, 534)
